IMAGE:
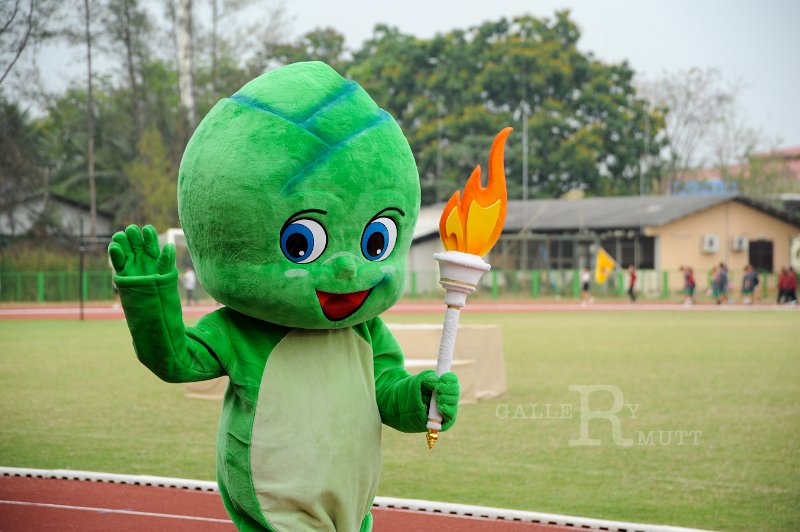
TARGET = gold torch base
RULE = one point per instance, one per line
(432, 437)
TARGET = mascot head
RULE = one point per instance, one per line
(298, 196)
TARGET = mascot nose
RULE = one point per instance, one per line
(345, 267)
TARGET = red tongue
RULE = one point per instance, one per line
(339, 306)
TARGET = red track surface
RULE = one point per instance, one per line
(54, 504)
(107, 312)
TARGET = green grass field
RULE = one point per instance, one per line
(72, 395)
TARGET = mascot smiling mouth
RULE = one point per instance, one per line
(337, 307)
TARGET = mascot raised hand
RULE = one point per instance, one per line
(298, 197)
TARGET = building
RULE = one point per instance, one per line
(67, 213)
(782, 165)
(651, 232)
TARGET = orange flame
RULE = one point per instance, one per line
(473, 224)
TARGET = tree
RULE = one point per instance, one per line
(701, 126)
(254, 43)
(65, 139)
(320, 44)
(221, 11)
(224, 54)
(587, 124)
(154, 178)
(388, 66)
(129, 33)
(763, 175)
(588, 127)
(705, 131)
(93, 132)
(185, 56)
(20, 171)
(215, 19)
(24, 26)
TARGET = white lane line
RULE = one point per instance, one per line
(70, 311)
(404, 308)
(383, 503)
(111, 511)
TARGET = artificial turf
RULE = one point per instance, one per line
(721, 387)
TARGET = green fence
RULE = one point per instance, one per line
(557, 284)
(55, 286)
(61, 286)
(525, 284)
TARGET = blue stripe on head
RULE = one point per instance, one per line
(380, 118)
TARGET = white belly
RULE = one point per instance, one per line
(315, 452)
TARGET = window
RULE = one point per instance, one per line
(647, 258)
(639, 250)
(561, 253)
(760, 255)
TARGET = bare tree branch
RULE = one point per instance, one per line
(11, 18)
(700, 104)
(22, 43)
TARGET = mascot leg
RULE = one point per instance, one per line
(366, 524)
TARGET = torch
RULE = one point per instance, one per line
(469, 227)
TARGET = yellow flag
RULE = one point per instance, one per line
(604, 265)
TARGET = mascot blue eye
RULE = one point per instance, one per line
(303, 241)
(379, 239)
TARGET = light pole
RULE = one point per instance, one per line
(645, 160)
(524, 254)
(525, 113)
(439, 140)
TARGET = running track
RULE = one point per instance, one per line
(107, 312)
(72, 500)
(53, 504)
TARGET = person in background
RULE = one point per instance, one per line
(783, 294)
(115, 305)
(722, 284)
(586, 278)
(189, 284)
(688, 285)
(749, 283)
(632, 283)
(715, 284)
(791, 286)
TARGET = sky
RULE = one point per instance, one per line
(754, 43)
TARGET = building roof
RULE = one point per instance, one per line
(622, 212)
(79, 205)
(428, 221)
(598, 214)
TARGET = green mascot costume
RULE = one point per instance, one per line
(298, 196)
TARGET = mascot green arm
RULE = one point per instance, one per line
(403, 399)
(147, 281)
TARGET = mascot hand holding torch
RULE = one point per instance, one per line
(298, 198)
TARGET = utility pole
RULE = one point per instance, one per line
(524, 255)
(90, 124)
(81, 254)
(439, 140)
(525, 151)
(645, 166)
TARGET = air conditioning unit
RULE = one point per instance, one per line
(794, 253)
(710, 244)
(740, 243)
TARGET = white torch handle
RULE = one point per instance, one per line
(444, 361)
